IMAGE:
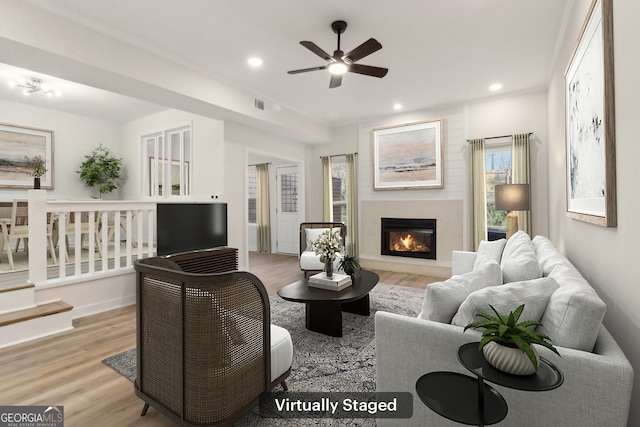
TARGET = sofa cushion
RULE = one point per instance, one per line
(311, 234)
(548, 255)
(519, 261)
(575, 311)
(534, 294)
(489, 251)
(442, 299)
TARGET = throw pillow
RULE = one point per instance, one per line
(534, 294)
(548, 255)
(574, 315)
(442, 299)
(519, 261)
(489, 251)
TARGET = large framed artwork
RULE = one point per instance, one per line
(17, 143)
(408, 156)
(589, 121)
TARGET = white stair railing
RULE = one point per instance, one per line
(101, 223)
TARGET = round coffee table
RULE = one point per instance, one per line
(324, 307)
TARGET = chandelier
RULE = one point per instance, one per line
(34, 85)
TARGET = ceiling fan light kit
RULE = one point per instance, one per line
(339, 63)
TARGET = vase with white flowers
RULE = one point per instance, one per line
(328, 245)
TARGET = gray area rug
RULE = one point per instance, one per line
(322, 363)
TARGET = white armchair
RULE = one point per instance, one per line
(309, 231)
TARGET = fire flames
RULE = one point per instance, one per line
(407, 243)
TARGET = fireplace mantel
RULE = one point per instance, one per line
(449, 217)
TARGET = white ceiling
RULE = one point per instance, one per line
(75, 98)
(438, 51)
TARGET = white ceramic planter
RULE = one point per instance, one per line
(509, 359)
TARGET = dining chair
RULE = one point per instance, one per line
(85, 219)
(17, 227)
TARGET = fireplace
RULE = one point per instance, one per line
(408, 237)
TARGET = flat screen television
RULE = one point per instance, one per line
(183, 227)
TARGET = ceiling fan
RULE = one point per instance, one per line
(339, 63)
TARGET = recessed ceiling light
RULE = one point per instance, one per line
(254, 61)
(397, 106)
(495, 87)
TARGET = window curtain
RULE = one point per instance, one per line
(327, 190)
(352, 205)
(478, 192)
(263, 219)
(521, 158)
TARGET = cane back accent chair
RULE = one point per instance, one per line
(309, 231)
(206, 348)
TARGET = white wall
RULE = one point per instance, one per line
(509, 115)
(398, 202)
(344, 141)
(74, 137)
(607, 257)
(207, 145)
(240, 141)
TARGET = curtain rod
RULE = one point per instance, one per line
(501, 136)
(256, 164)
(338, 155)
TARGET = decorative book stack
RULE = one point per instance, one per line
(336, 283)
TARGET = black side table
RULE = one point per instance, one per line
(469, 400)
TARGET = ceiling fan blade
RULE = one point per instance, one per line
(315, 49)
(336, 80)
(368, 70)
(366, 48)
(304, 70)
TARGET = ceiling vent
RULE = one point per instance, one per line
(258, 103)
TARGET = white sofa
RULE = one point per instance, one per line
(598, 378)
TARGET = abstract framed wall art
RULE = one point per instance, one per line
(17, 143)
(590, 122)
(408, 156)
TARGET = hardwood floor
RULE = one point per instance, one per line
(67, 369)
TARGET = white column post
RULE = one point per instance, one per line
(37, 236)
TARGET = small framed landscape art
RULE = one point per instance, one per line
(408, 156)
(18, 145)
(589, 121)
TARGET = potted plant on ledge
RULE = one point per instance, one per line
(506, 344)
(38, 168)
(101, 168)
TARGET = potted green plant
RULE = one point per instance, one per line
(38, 168)
(101, 168)
(349, 264)
(506, 344)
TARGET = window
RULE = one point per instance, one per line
(339, 185)
(167, 157)
(251, 192)
(498, 171)
(289, 192)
